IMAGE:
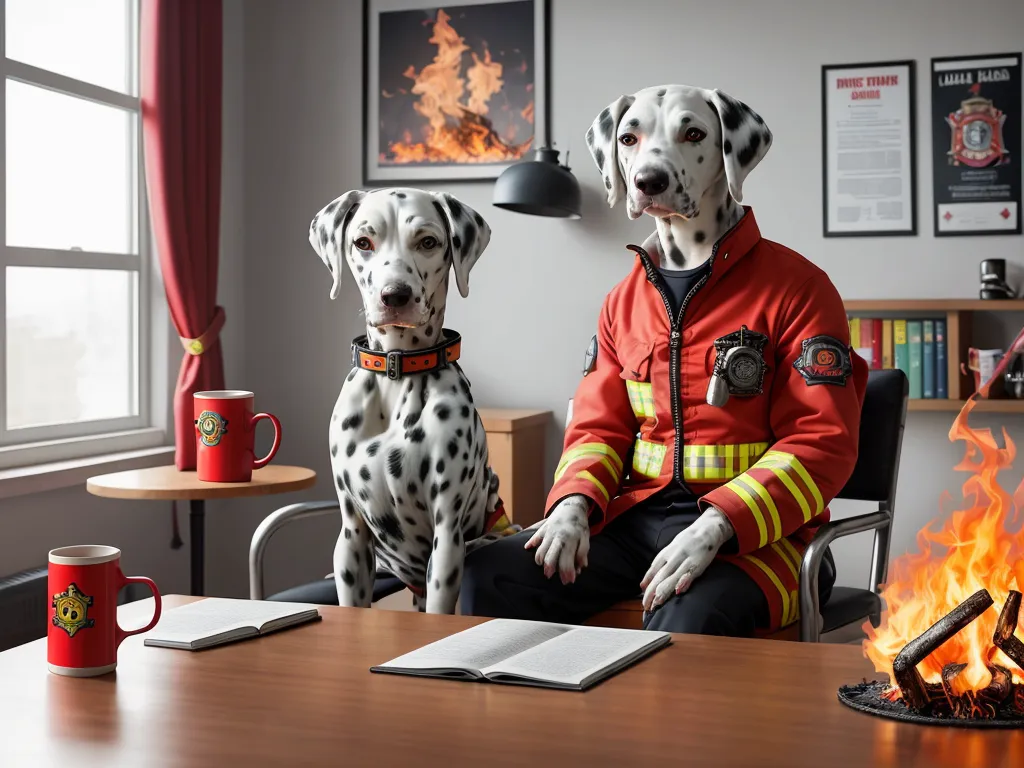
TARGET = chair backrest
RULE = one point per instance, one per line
(882, 420)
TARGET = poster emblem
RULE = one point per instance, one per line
(976, 134)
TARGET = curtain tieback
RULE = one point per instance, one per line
(200, 344)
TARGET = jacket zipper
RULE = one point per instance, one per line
(675, 344)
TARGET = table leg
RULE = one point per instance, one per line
(197, 517)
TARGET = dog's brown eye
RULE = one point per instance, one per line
(363, 244)
(428, 243)
(694, 134)
(627, 139)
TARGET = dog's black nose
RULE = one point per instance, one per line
(396, 294)
(651, 182)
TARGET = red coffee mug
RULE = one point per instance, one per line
(226, 436)
(83, 635)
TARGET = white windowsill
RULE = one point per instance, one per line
(38, 478)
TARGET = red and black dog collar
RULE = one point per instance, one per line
(398, 363)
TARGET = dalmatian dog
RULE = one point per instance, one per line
(678, 154)
(409, 454)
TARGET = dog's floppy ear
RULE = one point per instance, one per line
(468, 236)
(327, 232)
(603, 145)
(745, 139)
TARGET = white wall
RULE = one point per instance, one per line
(302, 142)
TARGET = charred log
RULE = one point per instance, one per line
(904, 668)
(1004, 639)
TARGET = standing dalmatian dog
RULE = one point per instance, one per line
(408, 449)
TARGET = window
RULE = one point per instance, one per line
(74, 283)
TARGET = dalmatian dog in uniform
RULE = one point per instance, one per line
(408, 453)
(679, 154)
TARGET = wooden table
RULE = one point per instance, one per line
(170, 483)
(305, 697)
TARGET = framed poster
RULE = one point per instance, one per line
(452, 92)
(868, 148)
(976, 144)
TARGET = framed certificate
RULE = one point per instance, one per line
(868, 149)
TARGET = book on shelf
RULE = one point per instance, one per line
(915, 345)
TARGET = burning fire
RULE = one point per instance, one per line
(978, 552)
(457, 130)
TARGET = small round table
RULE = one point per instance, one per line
(170, 483)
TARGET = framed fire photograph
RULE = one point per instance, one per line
(457, 91)
(869, 157)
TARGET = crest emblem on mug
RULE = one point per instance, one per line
(71, 610)
(212, 427)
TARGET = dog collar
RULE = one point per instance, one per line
(398, 363)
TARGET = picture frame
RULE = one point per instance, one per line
(473, 112)
(975, 115)
(869, 149)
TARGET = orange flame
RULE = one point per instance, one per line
(979, 552)
(456, 131)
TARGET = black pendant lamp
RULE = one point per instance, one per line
(540, 187)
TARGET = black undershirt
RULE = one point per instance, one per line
(680, 282)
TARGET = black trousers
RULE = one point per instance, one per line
(501, 580)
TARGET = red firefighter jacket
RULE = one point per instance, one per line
(784, 443)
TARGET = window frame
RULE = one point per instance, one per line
(67, 441)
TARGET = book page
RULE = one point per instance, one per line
(479, 646)
(576, 655)
(215, 615)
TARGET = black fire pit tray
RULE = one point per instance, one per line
(867, 697)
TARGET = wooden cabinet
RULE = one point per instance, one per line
(515, 443)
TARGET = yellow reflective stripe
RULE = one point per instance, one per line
(785, 558)
(793, 462)
(597, 483)
(600, 459)
(648, 458)
(641, 398)
(719, 462)
(761, 491)
(736, 486)
(780, 468)
(793, 551)
(587, 450)
(786, 617)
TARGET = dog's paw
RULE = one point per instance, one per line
(562, 539)
(685, 558)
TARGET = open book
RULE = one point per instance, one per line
(218, 620)
(530, 653)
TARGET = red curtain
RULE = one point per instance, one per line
(181, 79)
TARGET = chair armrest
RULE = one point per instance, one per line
(811, 564)
(270, 525)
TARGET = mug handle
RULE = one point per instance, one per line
(121, 634)
(277, 438)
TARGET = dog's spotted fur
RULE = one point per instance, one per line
(409, 456)
(705, 175)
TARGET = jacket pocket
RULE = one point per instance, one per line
(635, 357)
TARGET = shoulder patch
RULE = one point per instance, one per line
(590, 359)
(824, 360)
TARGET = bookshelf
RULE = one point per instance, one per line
(959, 315)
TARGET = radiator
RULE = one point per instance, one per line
(23, 607)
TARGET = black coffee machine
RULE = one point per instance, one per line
(993, 280)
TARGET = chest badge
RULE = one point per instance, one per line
(739, 366)
(590, 359)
